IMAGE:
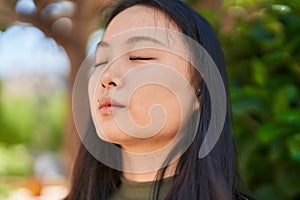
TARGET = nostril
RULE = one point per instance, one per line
(112, 83)
(108, 84)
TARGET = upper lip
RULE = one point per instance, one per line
(108, 101)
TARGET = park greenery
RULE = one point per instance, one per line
(262, 49)
(30, 125)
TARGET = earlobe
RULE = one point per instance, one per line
(198, 94)
(197, 105)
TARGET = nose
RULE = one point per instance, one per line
(108, 80)
(111, 76)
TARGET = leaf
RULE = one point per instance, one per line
(294, 147)
(283, 97)
(289, 117)
(259, 72)
(269, 132)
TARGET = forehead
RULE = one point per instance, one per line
(138, 16)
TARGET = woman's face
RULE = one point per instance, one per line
(135, 90)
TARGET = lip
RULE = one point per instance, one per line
(107, 105)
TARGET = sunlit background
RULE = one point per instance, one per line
(43, 43)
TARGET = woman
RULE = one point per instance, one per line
(149, 152)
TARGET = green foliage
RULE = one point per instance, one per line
(15, 163)
(29, 124)
(262, 53)
(14, 160)
(4, 190)
(34, 121)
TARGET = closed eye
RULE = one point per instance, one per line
(141, 58)
(101, 63)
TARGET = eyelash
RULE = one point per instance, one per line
(130, 58)
(140, 58)
(99, 64)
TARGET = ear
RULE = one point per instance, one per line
(197, 103)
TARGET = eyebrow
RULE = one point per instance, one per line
(132, 40)
(102, 44)
(137, 39)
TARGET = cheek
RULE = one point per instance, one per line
(178, 64)
(94, 86)
(147, 96)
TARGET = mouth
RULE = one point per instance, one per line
(107, 105)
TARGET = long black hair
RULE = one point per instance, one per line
(212, 177)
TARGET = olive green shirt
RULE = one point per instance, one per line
(130, 190)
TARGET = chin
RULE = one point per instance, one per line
(116, 138)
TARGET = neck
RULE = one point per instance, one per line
(150, 176)
(141, 164)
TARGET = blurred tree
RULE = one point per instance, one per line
(262, 52)
(69, 23)
(261, 43)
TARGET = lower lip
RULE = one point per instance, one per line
(109, 109)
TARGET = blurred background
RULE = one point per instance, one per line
(43, 43)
